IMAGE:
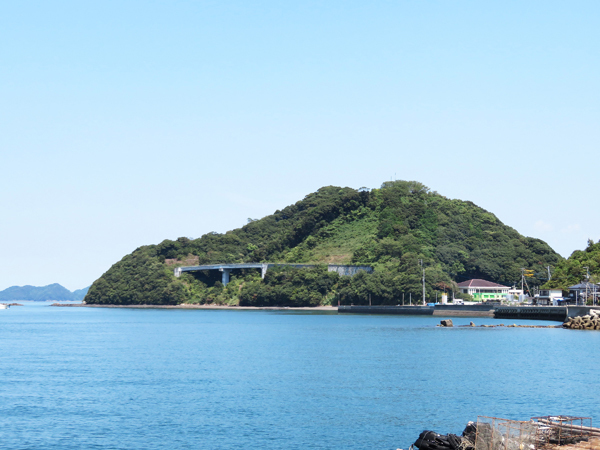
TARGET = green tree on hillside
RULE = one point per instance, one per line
(571, 271)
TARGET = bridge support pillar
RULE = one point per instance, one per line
(263, 270)
(225, 278)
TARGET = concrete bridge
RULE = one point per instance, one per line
(226, 269)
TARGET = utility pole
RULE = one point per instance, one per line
(522, 279)
(587, 282)
(421, 262)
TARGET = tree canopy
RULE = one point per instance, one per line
(390, 228)
(573, 270)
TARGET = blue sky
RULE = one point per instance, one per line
(126, 123)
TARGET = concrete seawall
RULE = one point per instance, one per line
(483, 310)
(438, 310)
(555, 313)
(384, 309)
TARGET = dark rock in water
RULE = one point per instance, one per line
(470, 430)
(447, 323)
(430, 440)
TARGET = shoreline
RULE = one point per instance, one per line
(458, 312)
(215, 307)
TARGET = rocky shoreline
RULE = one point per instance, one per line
(448, 323)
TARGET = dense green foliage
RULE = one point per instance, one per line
(390, 228)
(573, 270)
(42, 293)
(137, 279)
(290, 286)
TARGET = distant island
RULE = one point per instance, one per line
(54, 292)
(402, 230)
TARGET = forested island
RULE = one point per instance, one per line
(42, 293)
(390, 229)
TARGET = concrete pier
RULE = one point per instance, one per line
(225, 277)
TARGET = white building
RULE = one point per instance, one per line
(483, 290)
(548, 297)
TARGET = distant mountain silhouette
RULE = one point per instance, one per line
(42, 293)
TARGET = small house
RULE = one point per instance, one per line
(583, 292)
(548, 297)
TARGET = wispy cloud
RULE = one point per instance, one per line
(540, 225)
(572, 228)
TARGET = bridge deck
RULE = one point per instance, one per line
(342, 269)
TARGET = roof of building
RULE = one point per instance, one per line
(583, 285)
(478, 283)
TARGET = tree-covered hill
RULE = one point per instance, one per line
(573, 270)
(390, 228)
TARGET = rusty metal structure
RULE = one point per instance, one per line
(546, 432)
(564, 430)
(494, 433)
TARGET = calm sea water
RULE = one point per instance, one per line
(83, 378)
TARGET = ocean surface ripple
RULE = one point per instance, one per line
(93, 378)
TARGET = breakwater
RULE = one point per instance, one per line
(587, 322)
